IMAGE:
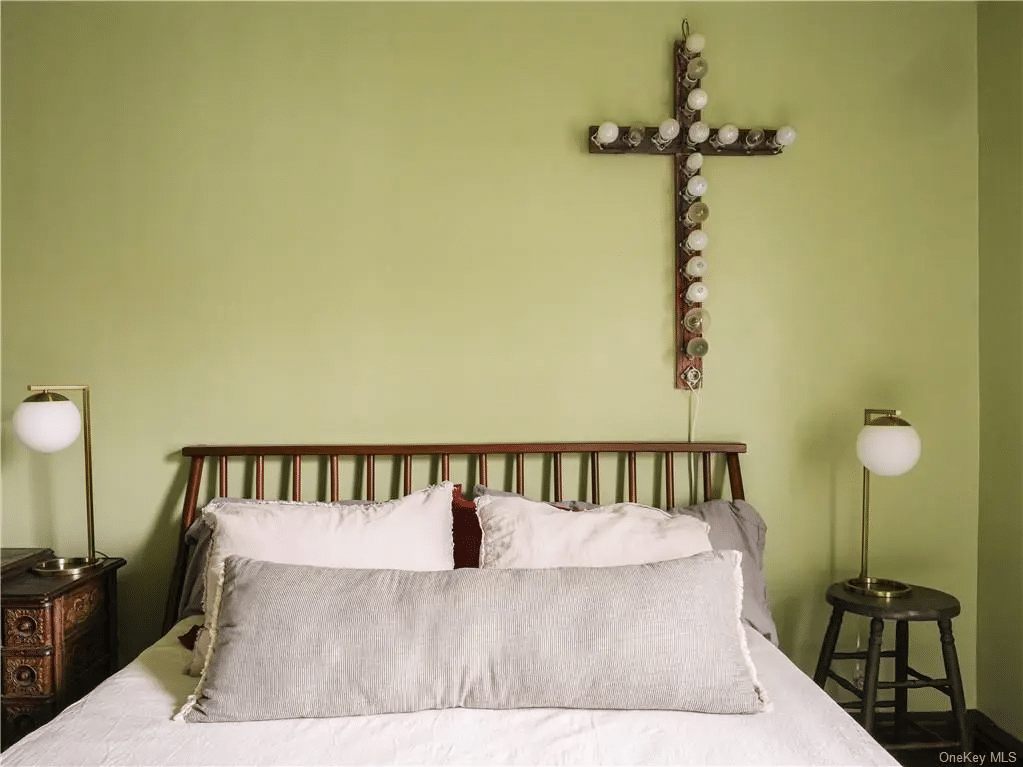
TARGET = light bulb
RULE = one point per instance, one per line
(697, 99)
(694, 162)
(47, 426)
(606, 133)
(784, 136)
(635, 136)
(697, 186)
(696, 320)
(696, 293)
(699, 132)
(695, 43)
(697, 240)
(727, 134)
(697, 347)
(696, 69)
(696, 267)
(754, 138)
(668, 129)
(697, 213)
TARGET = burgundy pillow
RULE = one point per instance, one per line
(465, 531)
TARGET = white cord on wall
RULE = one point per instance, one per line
(694, 409)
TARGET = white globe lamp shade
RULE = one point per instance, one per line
(47, 422)
(888, 447)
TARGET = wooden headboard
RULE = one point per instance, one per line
(327, 460)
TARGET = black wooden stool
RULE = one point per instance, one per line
(921, 604)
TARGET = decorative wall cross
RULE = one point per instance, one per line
(688, 139)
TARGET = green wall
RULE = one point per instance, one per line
(1000, 575)
(379, 222)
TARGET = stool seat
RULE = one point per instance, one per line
(920, 604)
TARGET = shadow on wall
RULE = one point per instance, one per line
(143, 584)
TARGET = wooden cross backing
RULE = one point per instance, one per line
(688, 368)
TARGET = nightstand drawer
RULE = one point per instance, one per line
(80, 607)
(28, 673)
(28, 627)
(21, 717)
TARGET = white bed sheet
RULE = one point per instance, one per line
(127, 721)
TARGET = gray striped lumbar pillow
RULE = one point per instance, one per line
(298, 641)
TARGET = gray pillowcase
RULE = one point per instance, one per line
(297, 641)
(738, 526)
(197, 545)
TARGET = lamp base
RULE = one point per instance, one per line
(67, 565)
(878, 587)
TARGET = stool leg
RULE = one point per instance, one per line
(901, 675)
(955, 681)
(820, 676)
(870, 673)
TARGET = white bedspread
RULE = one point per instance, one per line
(127, 721)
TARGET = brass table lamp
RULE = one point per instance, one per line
(887, 446)
(47, 423)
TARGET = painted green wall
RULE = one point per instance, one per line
(1000, 575)
(379, 222)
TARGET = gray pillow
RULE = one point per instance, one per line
(738, 526)
(298, 641)
(735, 526)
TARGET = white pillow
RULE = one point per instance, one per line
(410, 533)
(518, 532)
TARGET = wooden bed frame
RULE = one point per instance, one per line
(466, 528)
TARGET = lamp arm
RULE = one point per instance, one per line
(871, 411)
(87, 427)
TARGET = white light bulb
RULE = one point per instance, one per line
(697, 99)
(694, 162)
(607, 133)
(697, 186)
(47, 427)
(697, 240)
(668, 129)
(696, 293)
(727, 134)
(696, 267)
(699, 132)
(785, 136)
(695, 43)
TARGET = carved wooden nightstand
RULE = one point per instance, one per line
(59, 638)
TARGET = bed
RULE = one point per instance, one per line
(569, 631)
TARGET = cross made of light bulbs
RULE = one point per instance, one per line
(688, 139)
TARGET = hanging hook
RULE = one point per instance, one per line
(685, 28)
